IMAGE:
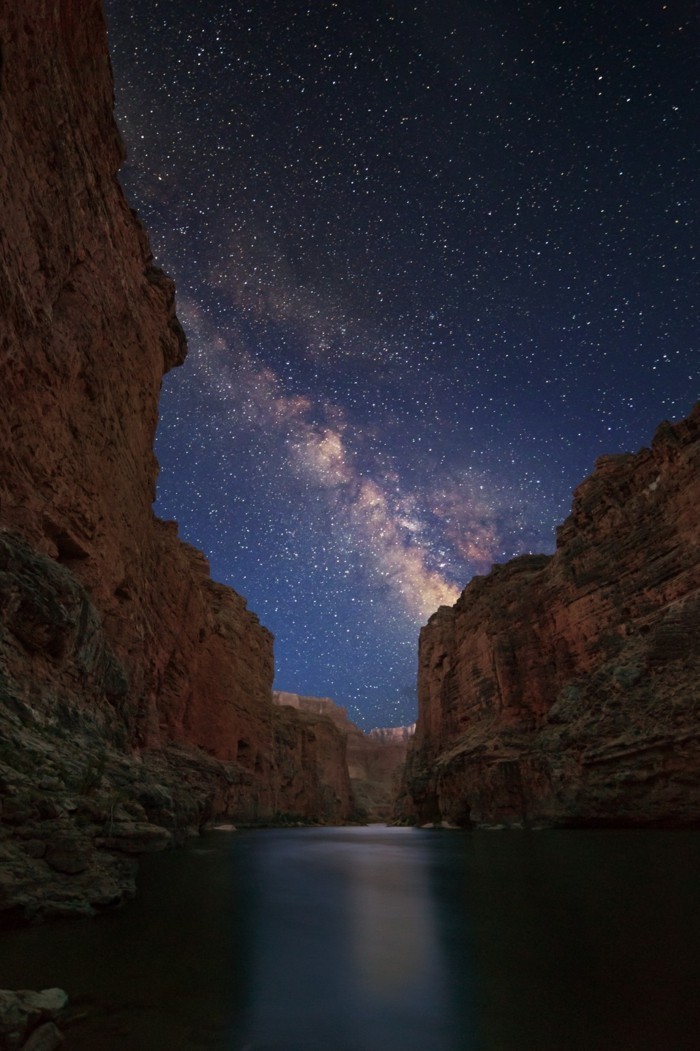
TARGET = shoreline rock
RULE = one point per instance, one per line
(27, 1019)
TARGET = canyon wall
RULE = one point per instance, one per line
(87, 330)
(322, 743)
(135, 692)
(566, 689)
(314, 706)
(374, 760)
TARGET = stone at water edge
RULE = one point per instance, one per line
(27, 1017)
(47, 1037)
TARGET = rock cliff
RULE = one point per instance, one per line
(374, 760)
(135, 692)
(87, 330)
(565, 689)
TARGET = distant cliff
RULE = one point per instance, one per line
(315, 770)
(373, 761)
(393, 734)
(566, 689)
(376, 762)
(135, 693)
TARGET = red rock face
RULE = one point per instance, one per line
(376, 761)
(564, 689)
(87, 327)
(105, 613)
(311, 754)
(371, 762)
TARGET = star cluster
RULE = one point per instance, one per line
(432, 259)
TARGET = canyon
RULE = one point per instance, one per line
(374, 760)
(135, 692)
(564, 689)
(136, 701)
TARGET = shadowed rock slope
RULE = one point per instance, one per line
(374, 759)
(135, 692)
(566, 689)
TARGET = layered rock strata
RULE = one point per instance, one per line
(312, 766)
(135, 693)
(565, 689)
(374, 760)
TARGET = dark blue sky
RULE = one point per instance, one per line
(432, 259)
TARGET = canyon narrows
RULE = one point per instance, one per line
(135, 692)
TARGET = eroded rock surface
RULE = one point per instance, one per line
(376, 761)
(87, 330)
(135, 692)
(312, 764)
(372, 761)
(566, 689)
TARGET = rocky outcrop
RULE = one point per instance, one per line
(135, 692)
(323, 706)
(28, 1019)
(321, 747)
(372, 761)
(77, 799)
(564, 689)
(393, 734)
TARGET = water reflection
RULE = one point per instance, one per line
(583, 940)
(168, 972)
(378, 939)
(348, 954)
(392, 928)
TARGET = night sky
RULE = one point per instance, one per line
(432, 259)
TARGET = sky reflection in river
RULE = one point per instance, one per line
(376, 939)
(348, 954)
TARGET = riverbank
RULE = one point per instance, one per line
(358, 938)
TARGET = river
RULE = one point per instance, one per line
(383, 939)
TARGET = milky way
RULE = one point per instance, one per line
(432, 259)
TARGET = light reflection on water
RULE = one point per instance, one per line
(349, 939)
(391, 923)
(376, 939)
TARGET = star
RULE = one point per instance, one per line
(430, 268)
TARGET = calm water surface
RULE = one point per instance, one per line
(376, 939)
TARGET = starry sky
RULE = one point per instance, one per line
(432, 259)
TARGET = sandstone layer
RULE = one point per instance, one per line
(374, 760)
(135, 692)
(566, 689)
